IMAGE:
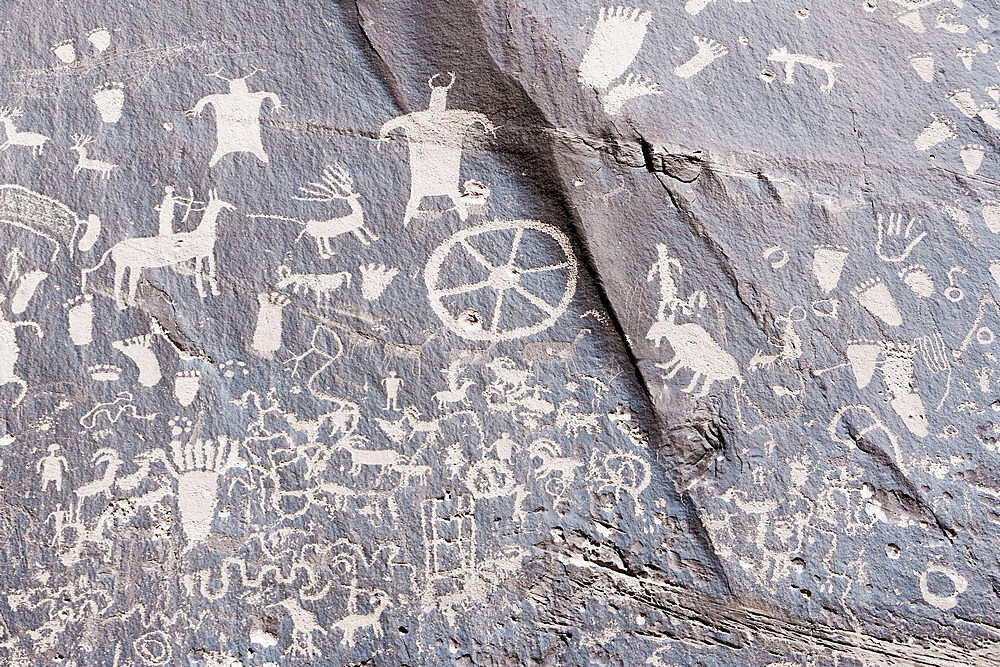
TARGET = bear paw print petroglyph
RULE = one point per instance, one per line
(618, 35)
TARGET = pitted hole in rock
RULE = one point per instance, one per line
(892, 551)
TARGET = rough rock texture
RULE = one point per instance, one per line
(494, 332)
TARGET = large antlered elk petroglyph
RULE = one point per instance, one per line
(694, 349)
(337, 185)
(134, 255)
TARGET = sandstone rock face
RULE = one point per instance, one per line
(495, 332)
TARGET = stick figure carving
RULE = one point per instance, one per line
(435, 137)
(237, 117)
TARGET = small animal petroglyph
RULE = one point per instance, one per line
(790, 60)
(322, 285)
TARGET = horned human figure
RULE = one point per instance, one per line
(134, 255)
(237, 118)
(435, 137)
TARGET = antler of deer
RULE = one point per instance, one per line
(9, 112)
(217, 74)
(337, 184)
(82, 140)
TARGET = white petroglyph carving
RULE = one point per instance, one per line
(237, 118)
(828, 264)
(614, 44)
(622, 472)
(972, 157)
(708, 51)
(186, 385)
(80, 147)
(10, 353)
(337, 184)
(198, 466)
(617, 38)
(322, 285)
(790, 60)
(268, 330)
(109, 98)
(940, 129)
(693, 347)
(516, 311)
(375, 280)
(895, 234)
(100, 39)
(131, 256)
(15, 137)
(943, 602)
(353, 622)
(51, 468)
(632, 86)
(48, 218)
(923, 65)
(436, 137)
(874, 295)
(65, 51)
(139, 350)
(964, 102)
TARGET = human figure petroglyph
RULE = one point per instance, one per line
(392, 384)
(131, 256)
(237, 117)
(436, 137)
(51, 468)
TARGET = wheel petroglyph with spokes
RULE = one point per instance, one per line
(506, 320)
